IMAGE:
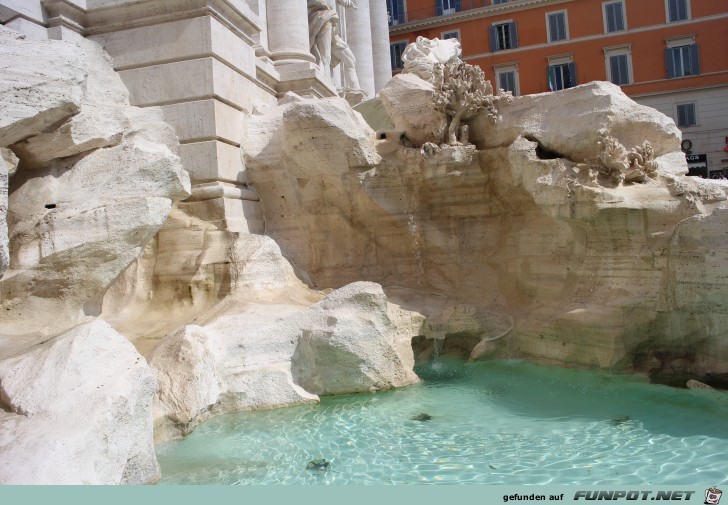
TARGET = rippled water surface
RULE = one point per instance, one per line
(497, 422)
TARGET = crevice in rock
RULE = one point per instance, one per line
(459, 344)
(543, 152)
(6, 404)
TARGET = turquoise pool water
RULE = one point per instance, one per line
(497, 422)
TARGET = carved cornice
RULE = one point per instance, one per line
(482, 12)
(103, 16)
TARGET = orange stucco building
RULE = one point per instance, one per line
(670, 54)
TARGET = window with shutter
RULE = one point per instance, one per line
(682, 61)
(614, 16)
(503, 36)
(395, 53)
(506, 78)
(395, 9)
(557, 26)
(454, 34)
(618, 60)
(562, 76)
(507, 82)
(677, 10)
(445, 7)
(686, 115)
(619, 69)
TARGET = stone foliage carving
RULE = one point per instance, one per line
(642, 163)
(612, 157)
(425, 57)
(616, 163)
(327, 45)
(462, 94)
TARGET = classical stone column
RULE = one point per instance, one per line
(359, 38)
(288, 31)
(380, 43)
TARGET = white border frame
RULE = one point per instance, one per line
(624, 15)
(566, 25)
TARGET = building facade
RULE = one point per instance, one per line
(668, 54)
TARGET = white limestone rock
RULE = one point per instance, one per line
(8, 161)
(409, 102)
(568, 122)
(8, 165)
(77, 411)
(41, 83)
(76, 225)
(103, 118)
(76, 222)
(355, 341)
(375, 114)
(325, 133)
(263, 353)
(201, 374)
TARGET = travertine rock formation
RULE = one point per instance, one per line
(569, 122)
(410, 103)
(8, 165)
(94, 179)
(524, 227)
(566, 234)
(42, 83)
(227, 325)
(74, 223)
(77, 410)
(257, 353)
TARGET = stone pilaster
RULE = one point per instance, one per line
(196, 60)
(380, 43)
(25, 16)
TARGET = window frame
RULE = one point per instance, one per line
(512, 35)
(391, 60)
(624, 16)
(688, 13)
(695, 114)
(563, 60)
(693, 59)
(403, 14)
(624, 50)
(505, 68)
(456, 30)
(440, 7)
(566, 25)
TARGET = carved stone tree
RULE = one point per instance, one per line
(461, 93)
(616, 163)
